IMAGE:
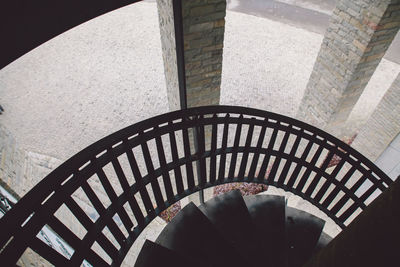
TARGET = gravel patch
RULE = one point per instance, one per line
(266, 63)
(87, 83)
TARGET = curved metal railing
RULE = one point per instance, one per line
(118, 185)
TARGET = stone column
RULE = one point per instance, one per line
(383, 125)
(203, 24)
(358, 36)
(201, 29)
(167, 32)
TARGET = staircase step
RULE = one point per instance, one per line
(190, 233)
(303, 231)
(229, 214)
(155, 255)
(324, 240)
(268, 215)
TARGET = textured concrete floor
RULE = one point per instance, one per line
(87, 83)
(311, 15)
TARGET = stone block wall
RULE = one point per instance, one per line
(358, 36)
(203, 28)
(383, 125)
(12, 160)
(21, 170)
(167, 32)
(203, 23)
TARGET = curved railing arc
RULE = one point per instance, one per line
(181, 153)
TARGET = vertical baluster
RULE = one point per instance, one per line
(264, 165)
(88, 224)
(188, 156)
(368, 193)
(308, 171)
(346, 197)
(278, 158)
(329, 179)
(346, 214)
(112, 226)
(296, 171)
(213, 158)
(238, 132)
(71, 239)
(199, 144)
(318, 176)
(175, 160)
(222, 161)
(68, 236)
(125, 186)
(285, 171)
(113, 196)
(328, 200)
(256, 156)
(163, 166)
(245, 157)
(150, 170)
(139, 180)
(47, 252)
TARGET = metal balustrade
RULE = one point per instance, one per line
(171, 156)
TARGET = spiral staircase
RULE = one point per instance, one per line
(230, 230)
(174, 155)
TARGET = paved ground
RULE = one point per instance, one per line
(312, 15)
(108, 73)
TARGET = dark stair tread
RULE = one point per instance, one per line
(324, 240)
(268, 215)
(155, 255)
(191, 233)
(229, 214)
(303, 231)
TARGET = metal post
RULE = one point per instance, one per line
(180, 53)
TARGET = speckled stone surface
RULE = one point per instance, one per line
(108, 73)
(86, 83)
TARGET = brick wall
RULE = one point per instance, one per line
(203, 27)
(167, 32)
(358, 36)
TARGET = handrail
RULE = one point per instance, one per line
(153, 164)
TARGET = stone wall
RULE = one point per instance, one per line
(167, 32)
(21, 170)
(11, 163)
(203, 23)
(203, 28)
(383, 125)
(358, 36)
